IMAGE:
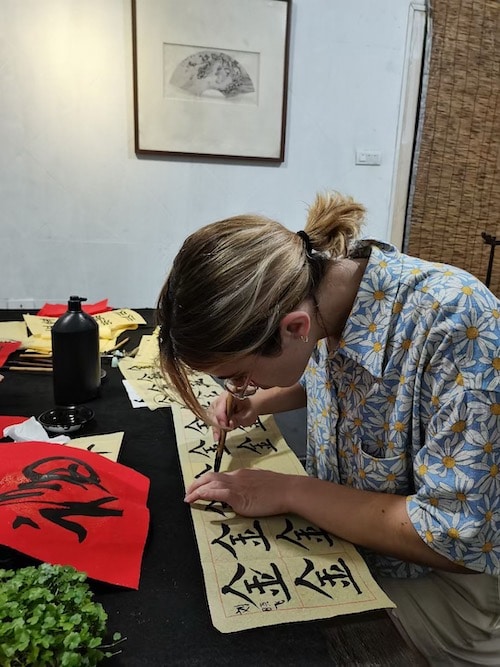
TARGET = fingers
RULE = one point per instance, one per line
(249, 492)
(209, 486)
(227, 426)
(205, 479)
(243, 414)
(216, 432)
(218, 414)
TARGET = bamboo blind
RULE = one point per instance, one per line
(456, 189)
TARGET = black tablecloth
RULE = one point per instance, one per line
(167, 621)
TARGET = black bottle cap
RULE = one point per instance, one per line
(75, 303)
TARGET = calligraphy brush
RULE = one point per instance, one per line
(39, 356)
(38, 362)
(117, 346)
(28, 369)
(222, 434)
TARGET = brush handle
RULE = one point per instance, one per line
(222, 435)
(28, 369)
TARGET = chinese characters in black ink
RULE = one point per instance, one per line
(326, 578)
(248, 583)
(222, 509)
(202, 449)
(50, 476)
(229, 540)
(297, 536)
(259, 447)
(197, 425)
(301, 537)
(268, 583)
(155, 384)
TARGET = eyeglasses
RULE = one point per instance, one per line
(240, 386)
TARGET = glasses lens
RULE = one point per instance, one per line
(241, 387)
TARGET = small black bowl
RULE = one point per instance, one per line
(66, 420)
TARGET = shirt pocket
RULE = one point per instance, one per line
(393, 474)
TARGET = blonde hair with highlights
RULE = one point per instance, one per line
(233, 281)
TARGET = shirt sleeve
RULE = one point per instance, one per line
(456, 506)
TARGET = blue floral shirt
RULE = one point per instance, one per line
(409, 403)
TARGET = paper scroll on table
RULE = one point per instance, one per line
(258, 571)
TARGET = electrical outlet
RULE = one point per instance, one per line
(23, 304)
(368, 157)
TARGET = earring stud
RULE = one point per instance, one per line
(304, 339)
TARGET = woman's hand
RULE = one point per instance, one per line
(249, 492)
(244, 414)
(246, 411)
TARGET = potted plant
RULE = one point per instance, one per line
(48, 618)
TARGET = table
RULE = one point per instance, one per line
(167, 621)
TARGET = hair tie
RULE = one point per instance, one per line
(307, 241)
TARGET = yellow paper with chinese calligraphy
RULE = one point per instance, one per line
(144, 374)
(111, 324)
(148, 382)
(106, 444)
(265, 571)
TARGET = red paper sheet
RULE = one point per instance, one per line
(6, 349)
(57, 309)
(68, 506)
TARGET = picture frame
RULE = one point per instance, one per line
(211, 78)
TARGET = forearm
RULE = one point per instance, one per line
(378, 521)
(279, 399)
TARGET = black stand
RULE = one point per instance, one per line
(493, 242)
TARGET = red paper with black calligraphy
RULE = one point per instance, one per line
(69, 506)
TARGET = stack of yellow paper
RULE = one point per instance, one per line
(111, 324)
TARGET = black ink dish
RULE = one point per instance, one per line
(66, 420)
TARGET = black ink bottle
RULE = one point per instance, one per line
(75, 356)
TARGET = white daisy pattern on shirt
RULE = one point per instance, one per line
(410, 404)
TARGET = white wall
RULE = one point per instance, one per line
(79, 213)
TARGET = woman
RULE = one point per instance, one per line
(398, 362)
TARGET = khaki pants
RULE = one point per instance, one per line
(452, 619)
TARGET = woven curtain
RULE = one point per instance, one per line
(455, 185)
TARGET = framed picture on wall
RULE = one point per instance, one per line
(211, 77)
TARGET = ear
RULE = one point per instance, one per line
(294, 325)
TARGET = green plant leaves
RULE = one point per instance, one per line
(48, 618)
